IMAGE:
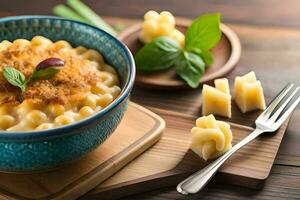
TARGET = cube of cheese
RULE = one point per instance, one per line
(248, 93)
(210, 137)
(222, 85)
(217, 100)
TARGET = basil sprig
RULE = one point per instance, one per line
(15, 77)
(162, 53)
(204, 33)
(158, 55)
(44, 70)
(43, 74)
(190, 67)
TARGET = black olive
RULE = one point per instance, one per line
(50, 62)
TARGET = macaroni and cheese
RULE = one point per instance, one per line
(85, 85)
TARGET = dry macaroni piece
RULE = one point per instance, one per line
(163, 24)
(210, 138)
(85, 85)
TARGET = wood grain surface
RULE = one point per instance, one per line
(249, 167)
(75, 179)
(270, 39)
(260, 12)
(272, 52)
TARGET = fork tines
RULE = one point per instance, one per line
(281, 106)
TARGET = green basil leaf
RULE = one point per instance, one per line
(204, 32)
(207, 56)
(15, 77)
(190, 68)
(159, 54)
(43, 74)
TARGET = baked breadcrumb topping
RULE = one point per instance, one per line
(66, 87)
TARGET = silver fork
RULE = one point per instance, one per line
(268, 121)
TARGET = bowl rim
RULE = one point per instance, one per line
(68, 129)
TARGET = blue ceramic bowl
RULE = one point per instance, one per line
(39, 150)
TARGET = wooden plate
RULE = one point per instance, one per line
(226, 54)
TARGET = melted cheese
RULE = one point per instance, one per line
(83, 86)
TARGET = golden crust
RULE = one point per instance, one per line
(69, 85)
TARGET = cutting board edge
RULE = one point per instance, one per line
(165, 179)
(121, 159)
(155, 136)
(170, 178)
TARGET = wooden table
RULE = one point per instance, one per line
(270, 47)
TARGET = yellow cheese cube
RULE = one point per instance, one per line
(222, 85)
(210, 138)
(217, 100)
(248, 93)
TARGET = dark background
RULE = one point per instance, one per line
(259, 12)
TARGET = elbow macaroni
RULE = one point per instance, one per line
(210, 138)
(160, 24)
(29, 115)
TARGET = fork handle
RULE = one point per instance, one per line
(198, 180)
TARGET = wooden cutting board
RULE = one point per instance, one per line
(170, 160)
(139, 129)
